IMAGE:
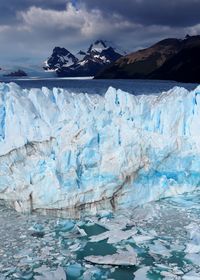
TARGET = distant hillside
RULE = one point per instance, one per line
(182, 67)
(169, 59)
(18, 73)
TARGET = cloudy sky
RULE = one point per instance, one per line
(29, 29)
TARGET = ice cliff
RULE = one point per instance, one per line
(81, 153)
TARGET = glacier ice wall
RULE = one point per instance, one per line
(81, 153)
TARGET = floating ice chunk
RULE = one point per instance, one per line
(194, 258)
(81, 231)
(65, 226)
(192, 275)
(168, 275)
(121, 258)
(142, 238)
(105, 214)
(192, 248)
(41, 269)
(194, 233)
(159, 249)
(113, 236)
(75, 247)
(74, 270)
(92, 272)
(141, 273)
(48, 274)
(119, 222)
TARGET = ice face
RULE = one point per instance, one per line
(84, 153)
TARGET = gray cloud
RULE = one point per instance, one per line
(9, 8)
(173, 13)
(29, 29)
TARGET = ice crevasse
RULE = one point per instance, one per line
(80, 153)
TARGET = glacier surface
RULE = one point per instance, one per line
(80, 153)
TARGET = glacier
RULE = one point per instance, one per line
(76, 154)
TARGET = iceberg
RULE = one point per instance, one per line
(78, 154)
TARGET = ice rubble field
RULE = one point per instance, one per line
(75, 152)
(146, 243)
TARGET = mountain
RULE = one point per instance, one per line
(141, 63)
(60, 57)
(169, 59)
(80, 55)
(85, 63)
(184, 66)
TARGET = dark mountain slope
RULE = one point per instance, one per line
(143, 62)
(170, 59)
(182, 67)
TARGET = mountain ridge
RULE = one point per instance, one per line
(85, 63)
(159, 61)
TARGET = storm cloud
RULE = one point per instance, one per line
(29, 29)
(177, 13)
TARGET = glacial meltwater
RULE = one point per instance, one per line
(159, 240)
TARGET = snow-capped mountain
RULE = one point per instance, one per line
(59, 58)
(80, 55)
(85, 63)
(97, 46)
(101, 52)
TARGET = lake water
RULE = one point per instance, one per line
(90, 86)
